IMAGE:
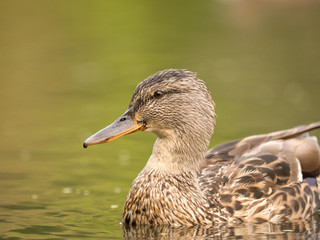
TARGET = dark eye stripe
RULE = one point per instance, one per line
(157, 94)
(137, 104)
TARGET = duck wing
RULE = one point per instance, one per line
(230, 151)
(269, 177)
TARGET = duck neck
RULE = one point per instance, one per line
(168, 184)
(176, 156)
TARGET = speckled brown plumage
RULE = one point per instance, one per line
(269, 177)
(257, 178)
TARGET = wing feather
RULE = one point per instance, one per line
(262, 174)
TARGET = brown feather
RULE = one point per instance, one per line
(268, 177)
(259, 175)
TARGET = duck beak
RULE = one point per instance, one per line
(124, 125)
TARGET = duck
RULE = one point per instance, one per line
(262, 178)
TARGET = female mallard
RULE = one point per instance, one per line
(269, 177)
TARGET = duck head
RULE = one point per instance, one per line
(175, 105)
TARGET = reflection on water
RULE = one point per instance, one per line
(58, 228)
(68, 69)
(296, 230)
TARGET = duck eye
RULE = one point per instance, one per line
(158, 94)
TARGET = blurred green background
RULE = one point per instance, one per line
(68, 69)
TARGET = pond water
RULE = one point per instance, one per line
(68, 69)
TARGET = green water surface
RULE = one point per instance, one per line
(68, 69)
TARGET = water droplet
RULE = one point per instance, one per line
(124, 157)
(117, 190)
(35, 196)
(67, 190)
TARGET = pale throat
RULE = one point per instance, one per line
(175, 156)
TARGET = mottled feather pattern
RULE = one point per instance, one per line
(258, 189)
(251, 188)
(248, 179)
(169, 200)
(267, 177)
(261, 187)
